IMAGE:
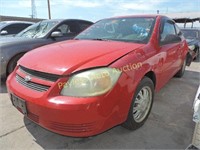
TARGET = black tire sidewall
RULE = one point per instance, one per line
(181, 72)
(130, 122)
(13, 62)
(198, 54)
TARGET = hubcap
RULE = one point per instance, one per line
(142, 104)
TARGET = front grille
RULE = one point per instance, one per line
(38, 74)
(32, 85)
(76, 128)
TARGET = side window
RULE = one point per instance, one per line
(64, 29)
(168, 29)
(15, 28)
(24, 26)
(83, 25)
(67, 28)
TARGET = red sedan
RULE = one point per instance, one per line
(105, 77)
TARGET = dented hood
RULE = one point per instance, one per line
(69, 56)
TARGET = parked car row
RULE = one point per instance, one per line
(10, 28)
(39, 34)
(193, 39)
(192, 36)
(50, 31)
(103, 77)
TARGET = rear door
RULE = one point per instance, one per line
(181, 50)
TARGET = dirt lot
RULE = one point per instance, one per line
(169, 126)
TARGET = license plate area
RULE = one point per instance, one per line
(19, 104)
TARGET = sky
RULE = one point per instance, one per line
(94, 10)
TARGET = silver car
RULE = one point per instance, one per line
(10, 28)
(39, 34)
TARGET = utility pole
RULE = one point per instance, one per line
(33, 9)
(49, 9)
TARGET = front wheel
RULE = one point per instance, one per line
(12, 64)
(141, 105)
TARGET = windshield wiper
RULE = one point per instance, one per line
(100, 39)
(95, 39)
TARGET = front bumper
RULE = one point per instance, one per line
(78, 117)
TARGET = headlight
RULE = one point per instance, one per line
(91, 83)
(191, 47)
(3, 59)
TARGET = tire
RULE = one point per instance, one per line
(12, 64)
(181, 72)
(135, 118)
(197, 52)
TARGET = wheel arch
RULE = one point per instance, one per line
(12, 58)
(152, 76)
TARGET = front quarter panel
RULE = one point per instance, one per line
(134, 66)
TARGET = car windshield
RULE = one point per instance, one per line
(38, 30)
(190, 34)
(136, 30)
(2, 24)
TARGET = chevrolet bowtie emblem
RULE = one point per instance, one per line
(27, 78)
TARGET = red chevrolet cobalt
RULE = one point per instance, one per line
(105, 77)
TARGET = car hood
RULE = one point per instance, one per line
(8, 39)
(70, 56)
(191, 41)
(14, 40)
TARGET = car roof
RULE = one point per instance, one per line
(13, 22)
(185, 20)
(61, 20)
(191, 29)
(135, 16)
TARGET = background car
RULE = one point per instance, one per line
(105, 76)
(192, 36)
(39, 34)
(10, 28)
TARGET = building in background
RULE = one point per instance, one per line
(13, 18)
(190, 15)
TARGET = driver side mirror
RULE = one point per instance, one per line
(171, 38)
(56, 34)
(3, 32)
(180, 33)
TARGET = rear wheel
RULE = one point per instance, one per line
(12, 64)
(197, 54)
(181, 72)
(141, 105)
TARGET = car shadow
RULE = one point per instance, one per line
(197, 59)
(163, 128)
(49, 140)
(3, 88)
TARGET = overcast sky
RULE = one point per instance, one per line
(96, 9)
